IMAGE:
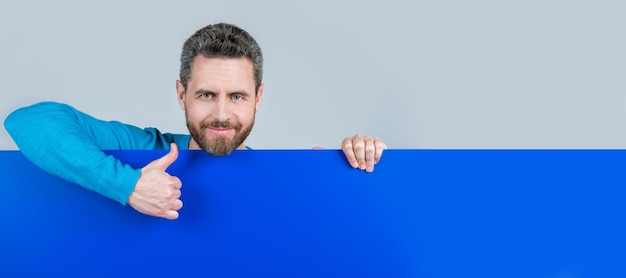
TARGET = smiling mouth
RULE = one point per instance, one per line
(220, 131)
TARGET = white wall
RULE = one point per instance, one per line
(420, 74)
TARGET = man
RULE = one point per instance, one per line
(219, 89)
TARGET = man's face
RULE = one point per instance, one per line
(219, 103)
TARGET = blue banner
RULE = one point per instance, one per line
(290, 213)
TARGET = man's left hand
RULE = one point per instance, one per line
(363, 151)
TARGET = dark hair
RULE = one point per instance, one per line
(221, 40)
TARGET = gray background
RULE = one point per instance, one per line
(419, 74)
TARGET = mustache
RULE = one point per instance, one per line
(219, 124)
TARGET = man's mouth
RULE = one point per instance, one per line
(220, 131)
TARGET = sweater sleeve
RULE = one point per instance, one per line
(68, 143)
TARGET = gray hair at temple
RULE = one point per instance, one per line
(221, 40)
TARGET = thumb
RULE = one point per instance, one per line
(166, 160)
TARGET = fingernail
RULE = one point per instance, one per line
(354, 165)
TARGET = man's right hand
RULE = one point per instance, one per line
(157, 193)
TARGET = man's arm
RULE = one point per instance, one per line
(68, 143)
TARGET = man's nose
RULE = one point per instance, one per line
(223, 113)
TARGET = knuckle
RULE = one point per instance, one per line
(159, 212)
(347, 144)
(359, 145)
(168, 194)
(173, 182)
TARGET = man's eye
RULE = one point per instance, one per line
(237, 97)
(206, 95)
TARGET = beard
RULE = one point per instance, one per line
(220, 145)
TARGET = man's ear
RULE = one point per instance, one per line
(259, 94)
(180, 92)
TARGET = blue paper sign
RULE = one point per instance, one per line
(290, 213)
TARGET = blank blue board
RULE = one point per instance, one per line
(305, 213)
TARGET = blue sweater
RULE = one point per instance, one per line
(68, 143)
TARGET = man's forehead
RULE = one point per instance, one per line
(222, 71)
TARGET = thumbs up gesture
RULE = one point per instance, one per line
(156, 192)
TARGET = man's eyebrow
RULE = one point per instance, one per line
(203, 91)
(243, 93)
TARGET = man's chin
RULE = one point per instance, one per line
(218, 153)
(222, 147)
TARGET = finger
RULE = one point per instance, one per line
(358, 147)
(175, 194)
(170, 214)
(370, 153)
(176, 204)
(380, 147)
(346, 146)
(167, 160)
(176, 183)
